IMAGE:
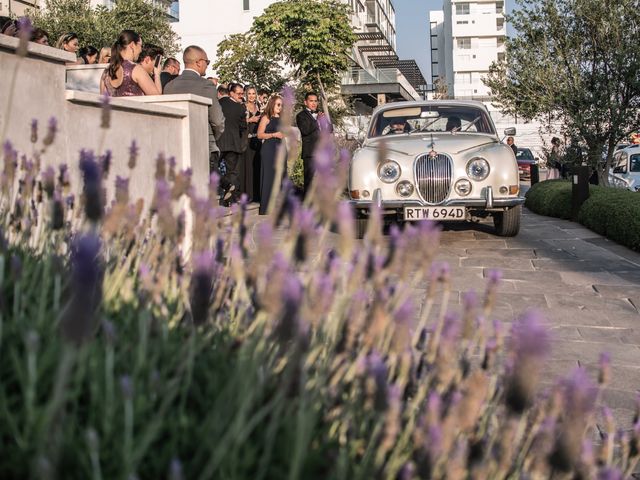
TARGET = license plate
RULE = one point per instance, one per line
(442, 214)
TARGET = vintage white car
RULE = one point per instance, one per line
(438, 160)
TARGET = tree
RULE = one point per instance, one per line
(314, 37)
(100, 26)
(241, 59)
(576, 62)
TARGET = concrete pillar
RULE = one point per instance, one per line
(382, 99)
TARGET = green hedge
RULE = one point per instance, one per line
(611, 212)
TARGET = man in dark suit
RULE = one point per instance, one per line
(192, 81)
(233, 141)
(170, 70)
(309, 126)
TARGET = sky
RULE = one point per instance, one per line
(412, 31)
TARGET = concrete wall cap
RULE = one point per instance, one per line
(37, 50)
(176, 97)
(124, 103)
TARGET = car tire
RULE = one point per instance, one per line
(361, 227)
(507, 223)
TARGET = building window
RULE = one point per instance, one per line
(501, 56)
(462, 22)
(500, 41)
(463, 78)
(500, 23)
(245, 5)
(464, 43)
(462, 9)
(499, 7)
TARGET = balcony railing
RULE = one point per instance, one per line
(360, 76)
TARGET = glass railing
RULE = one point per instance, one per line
(361, 76)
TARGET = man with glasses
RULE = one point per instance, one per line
(233, 141)
(192, 81)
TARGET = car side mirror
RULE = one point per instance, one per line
(510, 132)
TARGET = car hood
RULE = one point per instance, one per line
(416, 144)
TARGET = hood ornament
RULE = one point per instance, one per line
(433, 153)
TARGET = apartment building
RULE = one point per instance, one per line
(466, 37)
(10, 8)
(375, 75)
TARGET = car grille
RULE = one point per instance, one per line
(433, 177)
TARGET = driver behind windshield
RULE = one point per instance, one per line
(398, 126)
(453, 124)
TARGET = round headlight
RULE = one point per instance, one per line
(478, 169)
(463, 187)
(389, 171)
(404, 188)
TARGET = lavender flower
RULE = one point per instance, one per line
(105, 163)
(122, 190)
(175, 470)
(51, 131)
(529, 347)
(25, 28)
(34, 130)
(201, 286)
(289, 326)
(92, 190)
(126, 386)
(105, 118)
(49, 180)
(79, 316)
(604, 374)
(494, 277)
(134, 150)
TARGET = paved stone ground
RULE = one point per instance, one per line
(587, 287)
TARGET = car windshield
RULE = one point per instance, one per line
(634, 163)
(431, 118)
(524, 154)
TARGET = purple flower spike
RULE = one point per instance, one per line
(126, 386)
(134, 150)
(529, 337)
(406, 312)
(470, 300)
(610, 474)
(579, 393)
(288, 96)
(494, 277)
(105, 102)
(49, 180)
(92, 190)
(175, 470)
(51, 131)
(78, 318)
(440, 272)
(25, 29)
(201, 286)
(604, 375)
(122, 190)
(34, 130)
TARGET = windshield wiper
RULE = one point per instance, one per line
(422, 129)
(472, 123)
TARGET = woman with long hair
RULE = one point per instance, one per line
(123, 77)
(68, 42)
(270, 133)
(250, 161)
(105, 55)
(88, 55)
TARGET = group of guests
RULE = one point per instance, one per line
(69, 42)
(245, 131)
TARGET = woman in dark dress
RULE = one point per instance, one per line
(270, 133)
(250, 163)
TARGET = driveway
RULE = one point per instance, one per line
(586, 286)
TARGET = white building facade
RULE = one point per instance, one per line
(375, 71)
(466, 37)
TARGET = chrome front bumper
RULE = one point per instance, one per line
(488, 202)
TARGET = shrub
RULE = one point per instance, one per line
(611, 212)
(551, 198)
(253, 358)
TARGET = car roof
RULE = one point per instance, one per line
(630, 147)
(426, 103)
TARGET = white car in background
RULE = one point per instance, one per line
(436, 160)
(625, 171)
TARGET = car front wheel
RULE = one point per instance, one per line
(507, 223)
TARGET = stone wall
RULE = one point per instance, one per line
(33, 87)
